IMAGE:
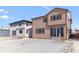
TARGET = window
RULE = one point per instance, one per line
(62, 31)
(45, 20)
(53, 17)
(14, 32)
(54, 31)
(57, 32)
(19, 24)
(30, 23)
(20, 31)
(27, 24)
(1, 31)
(40, 31)
(56, 17)
(27, 31)
(59, 16)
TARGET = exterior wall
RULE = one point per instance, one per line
(55, 22)
(46, 35)
(68, 23)
(40, 24)
(64, 22)
(24, 27)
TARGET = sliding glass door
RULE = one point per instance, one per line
(57, 31)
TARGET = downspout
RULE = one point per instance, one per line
(66, 23)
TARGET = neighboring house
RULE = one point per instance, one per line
(55, 24)
(4, 32)
(76, 31)
(75, 34)
(22, 28)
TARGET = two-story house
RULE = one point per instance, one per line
(22, 28)
(55, 24)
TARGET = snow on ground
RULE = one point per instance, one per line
(36, 46)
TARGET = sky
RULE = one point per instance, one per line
(9, 14)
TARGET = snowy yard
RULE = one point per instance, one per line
(36, 46)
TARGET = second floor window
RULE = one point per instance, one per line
(56, 17)
(45, 20)
(19, 24)
(20, 31)
(27, 31)
(27, 24)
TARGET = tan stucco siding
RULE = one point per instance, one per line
(40, 24)
(41, 36)
(55, 22)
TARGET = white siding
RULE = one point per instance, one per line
(24, 27)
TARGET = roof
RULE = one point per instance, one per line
(66, 10)
(4, 29)
(52, 11)
(38, 17)
(77, 30)
(20, 22)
